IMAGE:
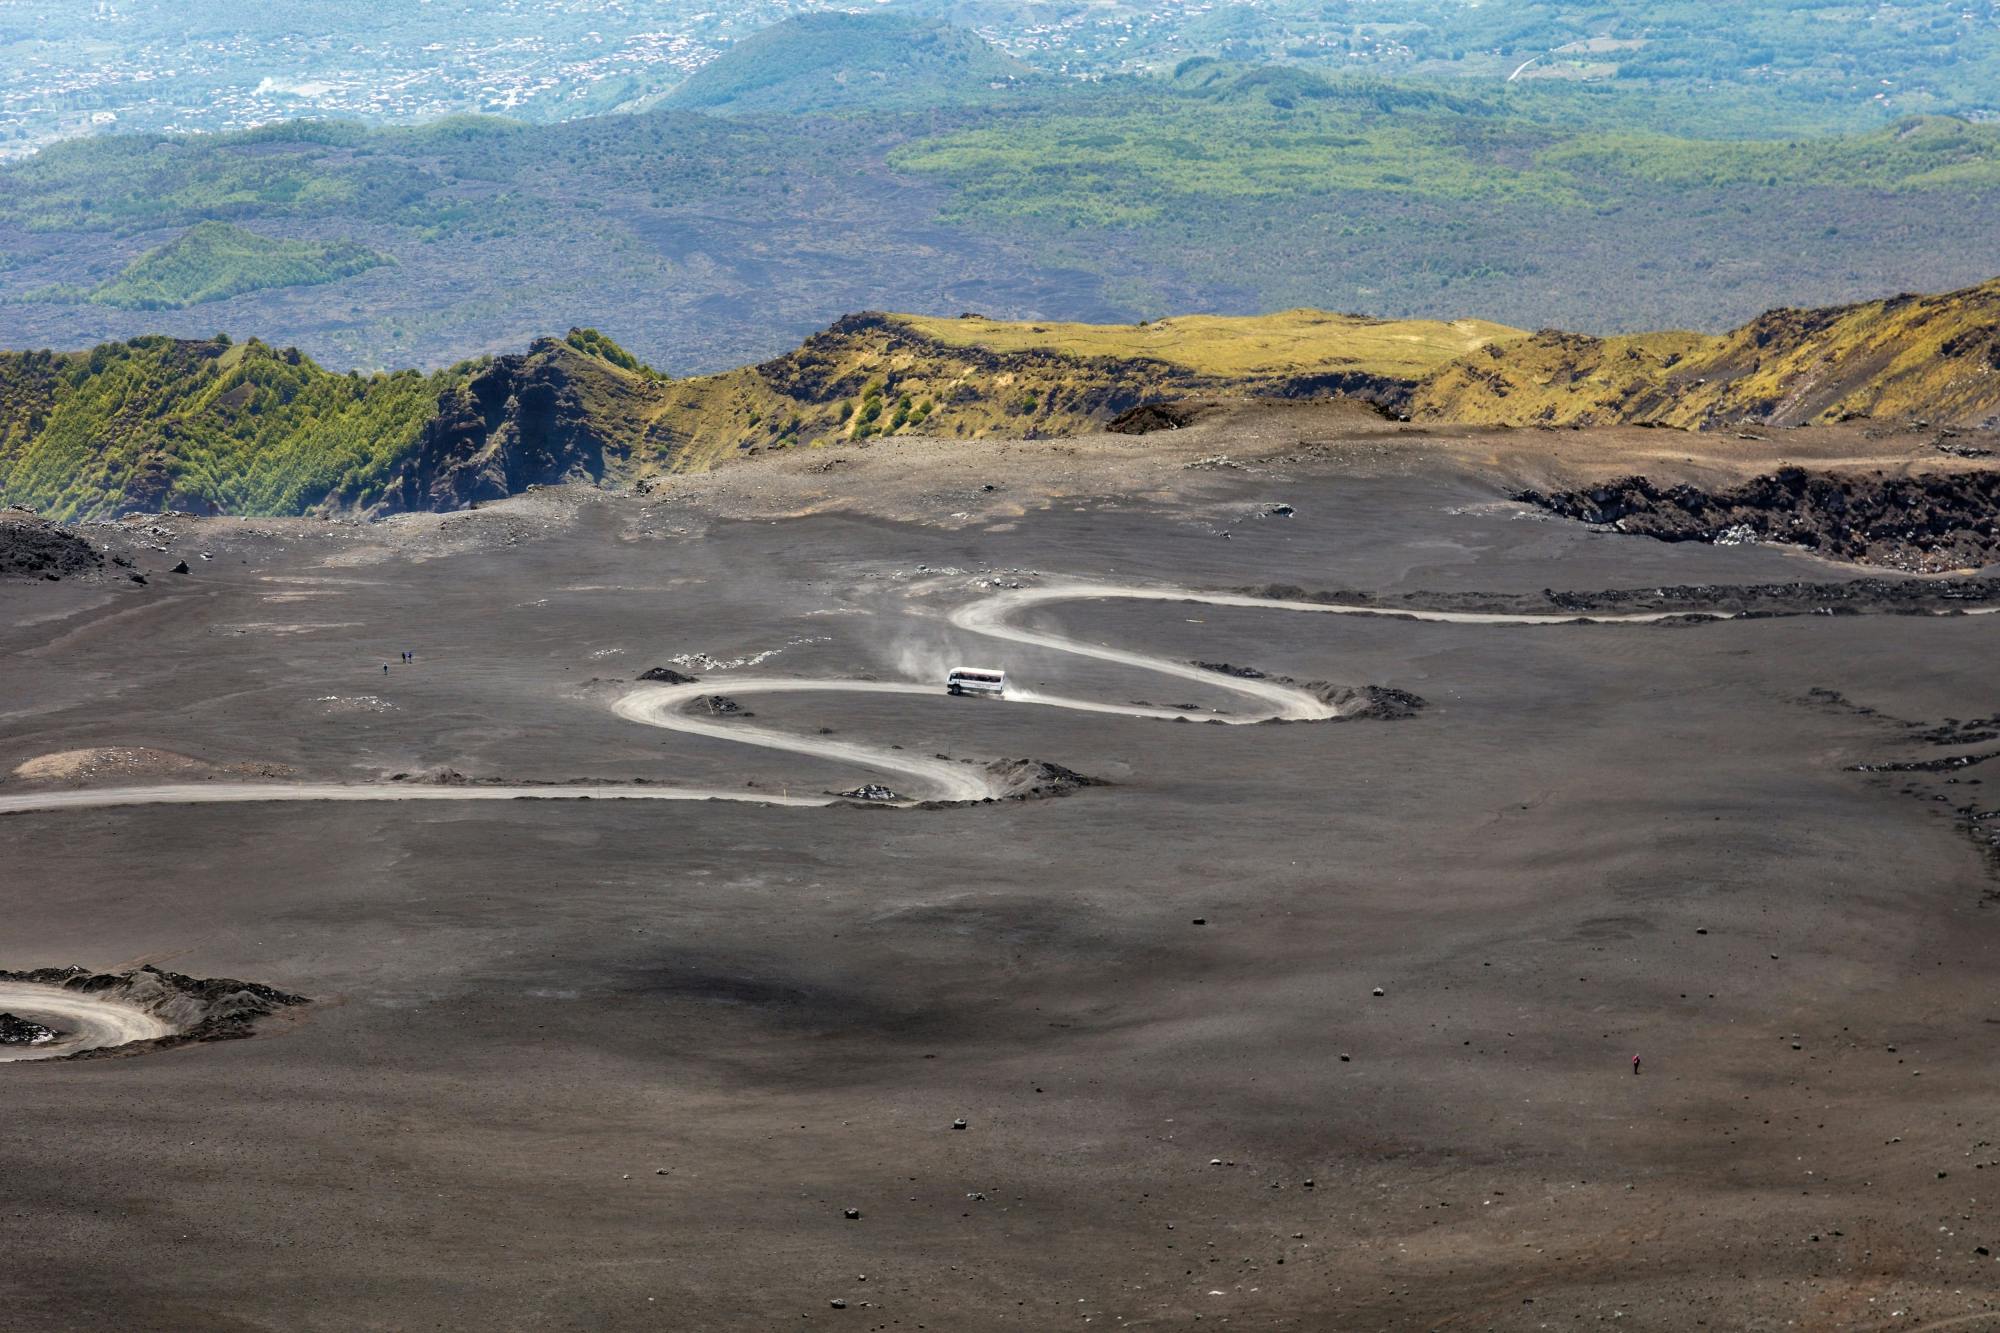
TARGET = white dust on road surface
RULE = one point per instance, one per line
(81, 1022)
(661, 705)
(988, 617)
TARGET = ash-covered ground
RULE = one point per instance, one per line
(1289, 1026)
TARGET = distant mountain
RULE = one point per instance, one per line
(215, 260)
(825, 61)
(247, 428)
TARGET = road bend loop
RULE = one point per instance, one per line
(78, 1022)
(666, 706)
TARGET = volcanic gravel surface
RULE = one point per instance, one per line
(1293, 1026)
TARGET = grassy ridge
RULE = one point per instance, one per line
(216, 260)
(1932, 357)
(252, 429)
(1291, 342)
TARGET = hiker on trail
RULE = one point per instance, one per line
(1635, 1064)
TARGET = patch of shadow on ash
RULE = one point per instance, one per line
(1922, 524)
(195, 1008)
(1890, 596)
(35, 548)
(1149, 417)
(669, 676)
(773, 992)
(1925, 779)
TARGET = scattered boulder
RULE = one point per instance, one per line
(181, 568)
(668, 676)
(721, 705)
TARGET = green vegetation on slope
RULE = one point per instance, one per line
(1922, 153)
(162, 423)
(825, 60)
(592, 343)
(215, 260)
(1287, 138)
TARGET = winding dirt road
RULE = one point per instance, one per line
(81, 1022)
(665, 706)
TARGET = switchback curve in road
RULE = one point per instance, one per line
(667, 707)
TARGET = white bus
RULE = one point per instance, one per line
(975, 680)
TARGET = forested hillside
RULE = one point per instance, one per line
(215, 261)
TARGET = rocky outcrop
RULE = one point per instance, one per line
(33, 548)
(534, 419)
(1924, 523)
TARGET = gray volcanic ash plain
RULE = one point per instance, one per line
(1314, 1023)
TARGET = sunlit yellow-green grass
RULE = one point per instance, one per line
(1290, 342)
